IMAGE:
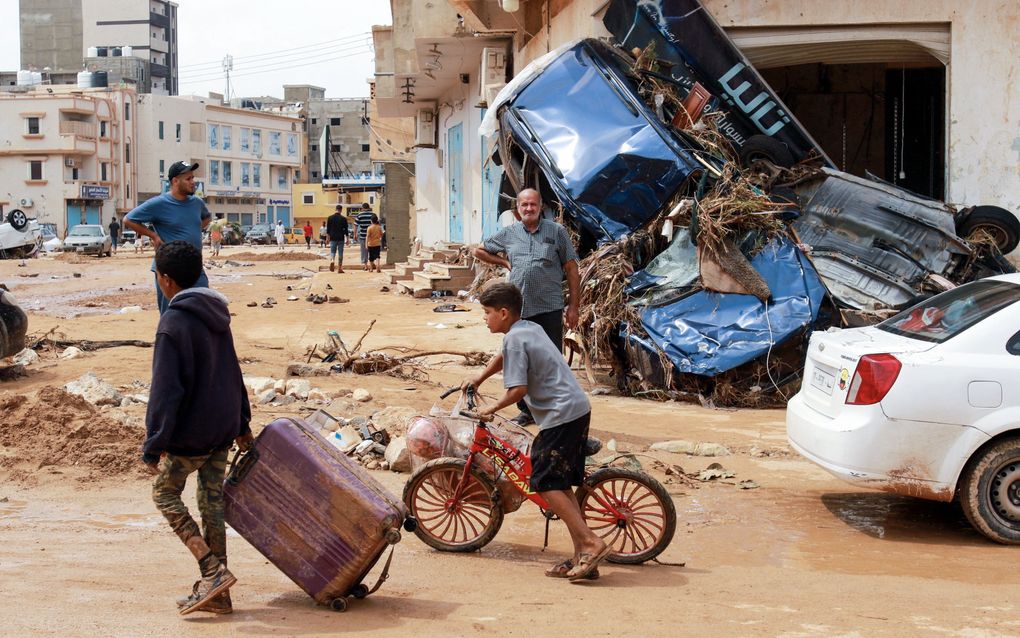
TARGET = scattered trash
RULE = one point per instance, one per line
(71, 352)
(748, 484)
(449, 307)
(129, 309)
(688, 447)
(292, 298)
(252, 304)
(26, 357)
(384, 289)
(600, 391)
(714, 471)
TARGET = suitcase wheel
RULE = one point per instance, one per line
(392, 536)
(338, 604)
(410, 524)
(359, 591)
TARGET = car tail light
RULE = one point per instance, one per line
(874, 377)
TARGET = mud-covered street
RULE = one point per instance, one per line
(84, 551)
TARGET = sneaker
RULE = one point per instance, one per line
(523, 419)
(220, 604)
(208, 588)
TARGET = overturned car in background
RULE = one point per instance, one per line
(634, 159)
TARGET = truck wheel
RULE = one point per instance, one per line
(760, 148)
(990, 492)
(998, 223)
(17, 219)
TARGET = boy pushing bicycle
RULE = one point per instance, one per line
(534, 371)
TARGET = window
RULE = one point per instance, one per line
(334, 121)
(256, 141)
(307, 198)
(292, 145)
(214, 172)
(274, 142)
(102, 129)
(946, 315)
(245, 174)
(104, 171)
(227, 177)
(162, 167)
(336, 148)
(314, 121)
(245, 132)
(127, 190)
(365, 148)
(74, 174)
(283, 179)
(178, 132)
(127, 152)
(127, 111)
(256, 175)
(225, 134)
(160, 129)
(314, 147)
(214, 134)
(33, 126)
(315, 174)
(35, 170)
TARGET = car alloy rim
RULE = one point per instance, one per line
(1004, 492)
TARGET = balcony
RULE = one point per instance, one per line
(159, 70)
(85, 130)
(159, 20)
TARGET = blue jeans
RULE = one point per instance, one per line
(336, 249)
(163, 302)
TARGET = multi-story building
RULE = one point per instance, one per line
(71, 154)
(339, 134)
(134, 39)
(248, 160)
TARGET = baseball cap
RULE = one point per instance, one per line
(180, 167)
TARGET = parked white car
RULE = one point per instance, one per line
(90, 239)
(925, 404)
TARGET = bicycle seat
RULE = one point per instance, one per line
(592, 446)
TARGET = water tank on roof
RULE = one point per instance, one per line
(127, 51)
(85, 80)
(36, 77)
(24, 78)
(92, 52)
(100, 79)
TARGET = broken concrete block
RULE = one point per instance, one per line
(266, 396)
(280, 386)
(283, 399)
(71, 352)
(94, 390)
(258, 385)
(26, 357)
(394, 419)
(372, 465)
(307, 370)
(315, 394)
(297, 388)
(688, 447)
(397, 455)
(361, 394)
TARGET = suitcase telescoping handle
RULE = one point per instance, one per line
(242, 464)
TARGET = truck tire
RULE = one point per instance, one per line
(762, 147)
(1001, 224)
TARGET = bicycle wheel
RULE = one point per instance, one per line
(463, 525)
(647, 518)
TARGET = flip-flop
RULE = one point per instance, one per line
(560, 570)
(587, 564)
(253, 304)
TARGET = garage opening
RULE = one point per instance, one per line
(872, 96)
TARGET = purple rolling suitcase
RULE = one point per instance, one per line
(321, 519)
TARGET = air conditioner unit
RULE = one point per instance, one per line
(71, 162)
(492, 77)
(425, 129)
(26, 202)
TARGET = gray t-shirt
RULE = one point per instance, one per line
(536, 263)
(531, 359)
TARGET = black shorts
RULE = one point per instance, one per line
(373, 252)
(557, 456)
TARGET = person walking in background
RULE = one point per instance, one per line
(322, 235)
(279, 234)
(308, 230)
(216, 235)
(114, 234)
(337, 229)
(176, 214)
(364, 220)
(373, 240)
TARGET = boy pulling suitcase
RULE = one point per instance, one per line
(197, 408)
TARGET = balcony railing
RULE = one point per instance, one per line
(78, 129)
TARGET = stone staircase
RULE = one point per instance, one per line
(426, 272)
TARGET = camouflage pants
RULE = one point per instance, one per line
(166, 493)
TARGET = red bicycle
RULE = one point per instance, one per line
(458, 506)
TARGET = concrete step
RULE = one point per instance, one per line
(395, 278)
(451, 270)
(416, 289)
(405, 268)
(441, 282)
(418, 261)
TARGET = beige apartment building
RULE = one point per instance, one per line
(248, 160)
(69, 155)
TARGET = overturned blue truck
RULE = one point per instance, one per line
(615, 135)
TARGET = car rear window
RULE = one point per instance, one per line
(946, 315)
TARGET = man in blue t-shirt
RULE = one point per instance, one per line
(174, 215)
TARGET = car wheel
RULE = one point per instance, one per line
(17, 219)
(998, 223)
(990, 492)
(759, 148)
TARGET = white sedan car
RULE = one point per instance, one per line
(925, 404)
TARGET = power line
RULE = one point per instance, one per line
(281, 62)
(278, 66)
(273, 53)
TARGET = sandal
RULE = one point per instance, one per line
(560, 570)
(587, 564)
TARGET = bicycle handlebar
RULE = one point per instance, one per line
(449, 392)
(474, 415)
(470, 394)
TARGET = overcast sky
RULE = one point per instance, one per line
(291, 42)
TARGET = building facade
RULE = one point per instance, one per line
(910, 91)
(339, 134)
(71, 156)
(248, 160)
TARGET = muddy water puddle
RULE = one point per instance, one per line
(19, 512)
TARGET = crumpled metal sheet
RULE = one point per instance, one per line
(708, 333)
(611, 163)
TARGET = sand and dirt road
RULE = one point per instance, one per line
(83, 551)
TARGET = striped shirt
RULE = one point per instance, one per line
(536, 263)
(364, 220)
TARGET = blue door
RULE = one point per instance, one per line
(82, 214)
(283, 213)
(454, 154)
(492, 175)
(92, 214)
